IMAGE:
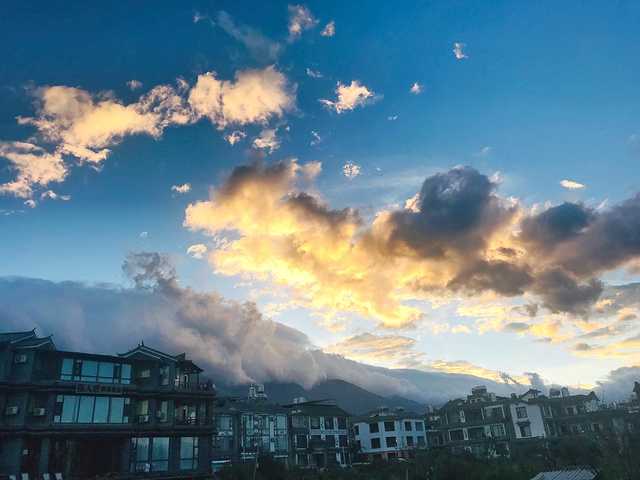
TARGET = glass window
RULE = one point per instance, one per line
(374, 428)
(125, 376)
(85, 412)
(497, 430)
(301, 441)
(281, 422)
(188, 453)
(160, 454)
(407, 426)
(525, 431)
(342, 423)
(343, 440)
(142, 407)
(375, 443)
(329, 423)
(69, 409)
(315, 422)
(89, 371)
(521, 412)
(389, 426)
(67, 369)
(419, 426)
(116, 413)
(391, 442)
(331, 441)
(140, 455)
(105, 372)
(456, 435)
(281, 442)
(222, 443)
(421, 441)
(101, 412)
(356, 430)
(409, 441)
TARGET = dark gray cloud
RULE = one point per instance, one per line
(516, 327)
(455, 210)
(556, 224)
(618, 385)
(560, 293)
(501, 277)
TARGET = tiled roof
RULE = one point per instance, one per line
(568, 474)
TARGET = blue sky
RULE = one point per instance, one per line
(449, 186)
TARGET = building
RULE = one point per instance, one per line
(385, 434)
(488, 425)
(246, 428)
(83, 414)
(566, 414)
(319, 434)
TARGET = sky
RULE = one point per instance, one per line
(285, 188)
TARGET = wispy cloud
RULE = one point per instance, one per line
(267, 139)
(416, 89)
(235, 137)
(351, 170)
(313, 74)
(33, 166)
(182, 188)
(258, 45)
(134, 84)
(350, 97)
(329, 30)
(54, 196)
(300, 19)
(197, 251)
(571, 185)
(457, 50)
(317, 138)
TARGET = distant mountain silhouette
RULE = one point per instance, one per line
(438, 387)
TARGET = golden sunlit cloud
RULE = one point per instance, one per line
(350, 97)
(182, 188)
(571, 185)
(197, 251)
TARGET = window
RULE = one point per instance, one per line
(375, 443)
(342, 423)
(164, 375)
(392, 442)
(521, 412)
(495, 412)
(421, 441)
(329, 423)
(281, 442)
(525, 431)
(88, 409)
(374, 428)
(160, 454)
(140, 455)
(142, 407)
(301, 441)
(343, 440)
(409, 441)
(476, 433)
(331, 441)
(407, 426)
(456, 435)
(315, 422)
(281, 422)
(356, 430)
(497, 430)
(419, 426)
(222, 443)
(188, 453)
(93, 371)
(389, 426)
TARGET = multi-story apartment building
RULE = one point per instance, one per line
(489, 425)
(246, 428)
(319, 433)
(386, 434)
(566, 414)
(83, 414)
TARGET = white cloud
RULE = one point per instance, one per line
(197, 17)
(259, 46)
(34, 166)
(300, 19)
(134, 84)
(267, 139)
(461, 329)
(30, 203)
(392, 117)
(417, 88)
(317, 137)
(351, 170)
(235, 137)
(181, 189)
(198, 251)
(329, 30)
(457, 50)
(486, 151)
(143, 234)
(54, 196)
(350, 97)
(313, 74)
(571, 185)
(254, 97)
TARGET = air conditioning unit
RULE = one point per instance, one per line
(20, 359)
(38, 412)
(11, 411)
(159, 415)
(143, 418)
